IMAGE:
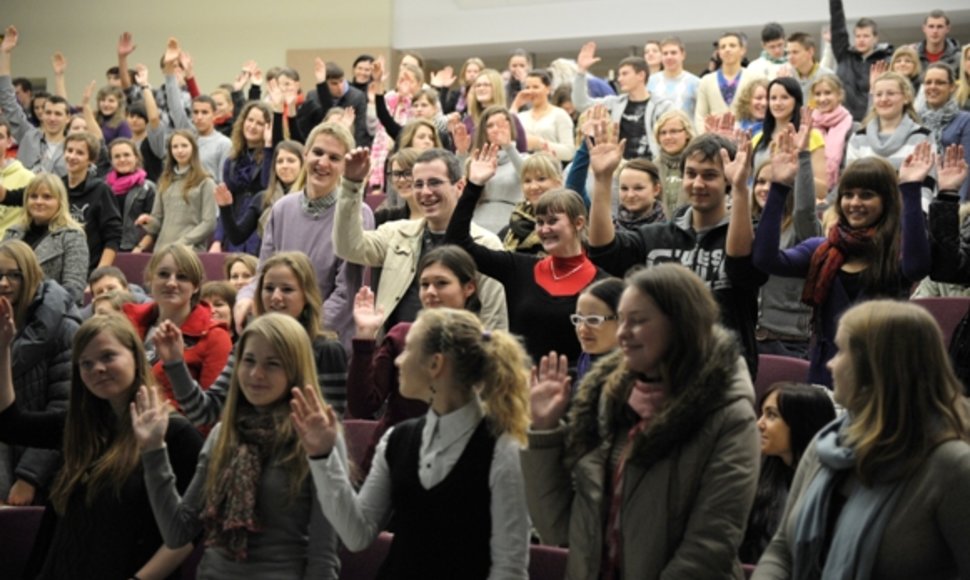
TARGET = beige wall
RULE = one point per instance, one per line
(263, 30)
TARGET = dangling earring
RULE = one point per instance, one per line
(433, 393)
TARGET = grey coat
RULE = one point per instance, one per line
(29, 138)
(63, 256)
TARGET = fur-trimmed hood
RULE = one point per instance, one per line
(606, 388)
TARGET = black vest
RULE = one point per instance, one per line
(442, 532)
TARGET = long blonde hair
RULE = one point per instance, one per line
(299, 264)
(475, 109)
(55, 185)
(905, 399)
(963, 84)
(291, 344)
(492, 360)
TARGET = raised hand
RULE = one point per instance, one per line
(461, 138)
(952, 171)
(141, 75)
(587, 57)
(803, 138)
(720, 124)
(187, 65)
(368, 318)
(357, 166)
(319, 70)
(315, 421)
(549, 391)
(917, 164)
(784, 157)
(605, 153)
(377, 73)
(483, 165)
(256, 74)
(169, 342)
(149, 419)
(223, 195)
(126, 44)
(88, 93)
(876, 69)
(738, 169)
(443, 78)
(8, 325)
(59, 63)
(348, 118)
(171, 56)
(10, 37)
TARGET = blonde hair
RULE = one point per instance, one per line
(186, 261)
(248, 260)
(410, 130)
(492, 360)
(55, 185)
(905, 87)
(475, 108)
(963, 83)
(335, 130)
(675, 115)
(906, 398)
(742, 104)
(909, 52)
(542, 165)
(299, 264)
(29, 267)
(292, 346)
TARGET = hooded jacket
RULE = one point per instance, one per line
(853, 69)
(689, 481)
(951, 54)
(94, 207)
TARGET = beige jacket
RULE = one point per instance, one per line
(395, 247)
(688, 486)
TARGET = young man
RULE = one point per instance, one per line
(855, 60)
(13, 175)
(397, 246)
(699, 237)
(363, 67)
(772, 57)
(802, 65)
(937, 46)
(334, 91)
(716, 91)
(674, 83)
(634, 109)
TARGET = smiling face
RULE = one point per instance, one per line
(435, 192)
(108, 105)
(362, 71)
(42, 205)
(762, 184)
(537, 89)
(440, 287)
(288, 166)
(423, 138)
(282, 292)
(181, 150)
(253, 126)
(107, 369)
(221, 311)
(482, 89)
(123, 158)
(938, 88)
(673, 137)
(55, 118)
(534, 185)
(595, 338)
(889, 99)
(76, 157)
(240, 275)
(704, 184)
(644, 332)
(775, 433)
(827, 97)
(325, 163)
(262, 375)
(781, 104)
(171, 288)
(759, 103)
(558, 236)
(862, 208)
(223, 105)
(638, 190)
(904, 65)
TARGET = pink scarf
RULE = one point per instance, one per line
(835, 126)
(122, 184)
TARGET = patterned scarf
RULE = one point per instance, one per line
(828, 258)
(937, 119)
(122, 184)
(316, 207)
(229, 514)
(522, 236)
(631, 221)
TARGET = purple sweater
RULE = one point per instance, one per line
(290, 229)
(795, 262)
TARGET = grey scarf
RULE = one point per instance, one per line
(937, 119)
(859, 527)
(895, 141)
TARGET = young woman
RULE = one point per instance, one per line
(398, 104)
(244, 229)
(184, 210)
(46, 320)
(596, 322)
(92, 200)
(834, 121)
(665, 427)
(878, 247)
(947, 123)
(250, 496)
(111, 115)
(134, 192)
(504, 190)
(541, 292)
(419, 134)
(640, 194)
(248, 170)
(894, 467)
(174, 278)
(287, 285)
(221, 297)
(456, 100)
(425, 107)
(784, 109)
(50, 231)
(103, 523)
(791, 415)
(486, 91)
(674, 131)
(751, 105)
(906, 62)
(461, 457)
(400, 203)
(653, 56)
(963, 90)
(239, 269)
(447, 279)
(540, 173)
(547, 127)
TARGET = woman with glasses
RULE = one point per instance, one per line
(596, 322)
(541, 292)
(400, 203)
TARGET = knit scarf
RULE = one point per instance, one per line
(937, 119)
(834, 125)
(783, 59)
(860, 526)
(564, 276)
(630, 220)
(244, 170)
(895, 141)
(522, 236)
(122, 184)
(842, 241)
(316, 207)
(728, 88)
(229, 514)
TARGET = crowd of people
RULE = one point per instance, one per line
(550, 292)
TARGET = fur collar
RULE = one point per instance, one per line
(605, 389)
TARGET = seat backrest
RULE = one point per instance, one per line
(358, 434)
(773, 369)
(212, 263)
(948, 311)
(133, 265)
(18, 529)
(365, 565)
(547, 562)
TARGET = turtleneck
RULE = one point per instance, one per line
(564, 276)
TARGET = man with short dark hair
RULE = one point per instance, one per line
(772, 54)
(674, 83)
(633, 109)
(802, 64)
(937, 45)
(333, 90)
(716, 91)
(24, 89)
(856, 59)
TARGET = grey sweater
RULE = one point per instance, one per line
(189, 222)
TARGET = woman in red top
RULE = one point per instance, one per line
(174, 278)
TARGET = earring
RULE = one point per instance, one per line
(433, 393)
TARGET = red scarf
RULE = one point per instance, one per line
(828, 258)
(564, 276)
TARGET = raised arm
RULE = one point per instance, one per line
(950, 258)
(605, 155)
(59, 64)
(740, 234)
(580, 94)
(126, 46)
(915, 241)
(838, 30)
(201, 407)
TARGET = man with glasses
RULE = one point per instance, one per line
(397, 246)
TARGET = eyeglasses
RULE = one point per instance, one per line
(432, 184)
(592, 320)
(886, 94)
(401, 175)
(670, 132)
(12, 276)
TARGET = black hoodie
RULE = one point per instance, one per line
(93, 206)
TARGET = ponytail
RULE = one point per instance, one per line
(505, 390)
